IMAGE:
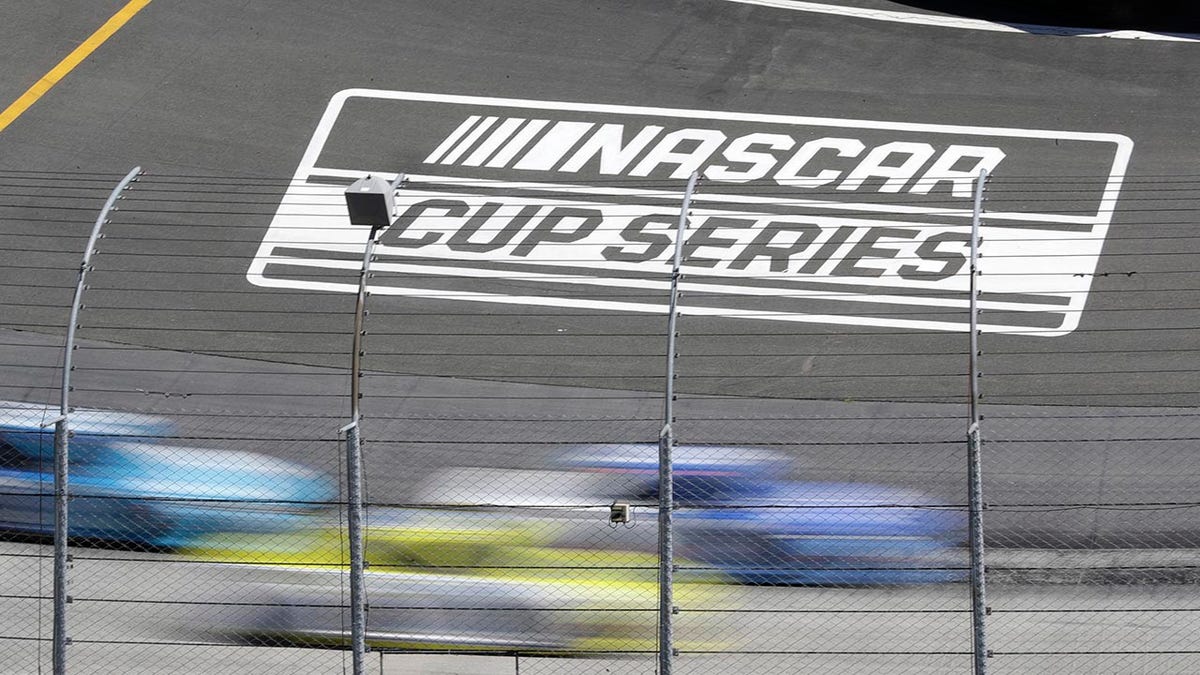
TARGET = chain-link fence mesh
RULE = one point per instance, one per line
(504, 539)
(511, 453)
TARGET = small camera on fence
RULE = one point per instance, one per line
(619, 512)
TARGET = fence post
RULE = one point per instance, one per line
(976, 505)
(370, 201)
(62, 432)
(666, 443)
(354, 474)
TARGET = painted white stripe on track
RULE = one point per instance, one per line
(968, 24)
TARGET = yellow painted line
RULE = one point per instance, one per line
(73, 59)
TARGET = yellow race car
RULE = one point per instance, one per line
(435, 582)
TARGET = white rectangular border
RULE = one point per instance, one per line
(1100, 221)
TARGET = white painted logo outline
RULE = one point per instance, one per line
(326, 222)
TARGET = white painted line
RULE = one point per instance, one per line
(968, 24)
(646, 284)
(259, 279)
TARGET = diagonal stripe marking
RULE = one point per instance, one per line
(58, 72)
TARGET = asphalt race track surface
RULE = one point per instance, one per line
(237, 91)
(215, 301)
(218, 104)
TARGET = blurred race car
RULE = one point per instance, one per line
(28, 428)
(739, 514)
(448, 585)
(140, 492)
(739, 517)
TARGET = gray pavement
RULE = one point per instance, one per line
(179, 100)
(1055, 477)
(925, 628)
(1091, 435)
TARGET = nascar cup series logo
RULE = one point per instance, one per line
(805, 219)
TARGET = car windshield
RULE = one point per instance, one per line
(705, 489)
(12, 458)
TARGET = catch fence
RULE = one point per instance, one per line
(512, 411)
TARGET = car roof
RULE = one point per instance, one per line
(23, 425)
(686, 460)
(484, 486)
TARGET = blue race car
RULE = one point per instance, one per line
(140, 492)
(28, 428)
(737, 514)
